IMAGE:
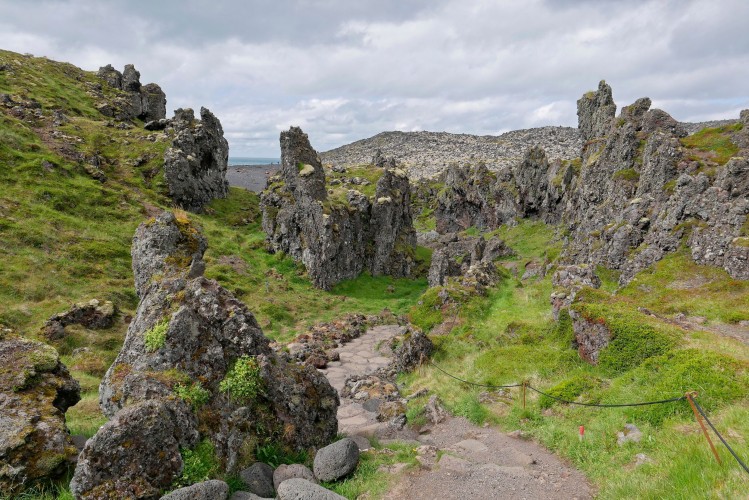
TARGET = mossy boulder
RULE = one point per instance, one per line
(35, 392)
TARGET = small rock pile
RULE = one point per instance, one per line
(455, 255)
(286, 482)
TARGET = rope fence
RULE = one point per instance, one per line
(699, 411)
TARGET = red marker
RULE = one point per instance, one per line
(582, 432)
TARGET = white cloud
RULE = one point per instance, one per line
(346, 70)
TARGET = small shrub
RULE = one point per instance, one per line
(193, 394)
(200, 464)
(627, 174)
(243, 382)
(155, 338)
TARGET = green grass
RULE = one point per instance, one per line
(509, 337)
(715, 141)
(367, 479)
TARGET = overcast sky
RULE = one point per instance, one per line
(344, 70)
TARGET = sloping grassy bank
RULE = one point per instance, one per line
(510, 336)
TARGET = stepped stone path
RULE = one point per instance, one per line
(480, 463)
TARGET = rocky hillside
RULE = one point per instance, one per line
(427, 154)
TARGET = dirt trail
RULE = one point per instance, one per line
(459, 460)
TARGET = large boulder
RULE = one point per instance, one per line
(192, 342)
(137, 453)
(454, 254)
(414, 350)
(336, 460)
(154, 103)
(195, 164)
(35, 392)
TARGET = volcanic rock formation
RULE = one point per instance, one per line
(195, 165)
(337, 239)
(147, 102)
(195, 365)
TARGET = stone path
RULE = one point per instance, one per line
(475, 462)
(360, 357)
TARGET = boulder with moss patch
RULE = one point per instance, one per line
(35, 392)
(191, 340)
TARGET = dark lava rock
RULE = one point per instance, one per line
(195, 164)
(337, 240)
(187, 335)
(94, 314)
(259, 479)
(136, 454)
(284, 472)
(206, 490)
(301, 489)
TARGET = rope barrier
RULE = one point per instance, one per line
(687, 397)
(702, 412)
(619, 405)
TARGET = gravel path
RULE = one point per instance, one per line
(480, 463)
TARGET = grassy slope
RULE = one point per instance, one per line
(65, 237)
(510, 336)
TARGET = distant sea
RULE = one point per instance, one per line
(251, 160)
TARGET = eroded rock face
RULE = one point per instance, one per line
(35, 392)
(186, 338)
(195, 165)
(454, 255)
(147, 102)
(640, 195)
(337, 239)
(595, 110)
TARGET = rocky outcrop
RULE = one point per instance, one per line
(532, 188)
(595, 110)
(567, 282)
(425, 155)
(35, 392)
(147, 102)
(196, 355)
(453, 255)
(591, 337)
(337, 239)
(642, 192)
(93, 314)
(195, 164)
(413, 351)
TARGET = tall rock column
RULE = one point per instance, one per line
(595, 110)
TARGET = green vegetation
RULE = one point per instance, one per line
(200, 464)
(627, 174)
(193, 394)
(274, 455)
(714, 141)
(509, 336)
(242, 381)
(155, 338)
(367, 479)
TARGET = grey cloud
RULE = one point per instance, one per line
(346, 70)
